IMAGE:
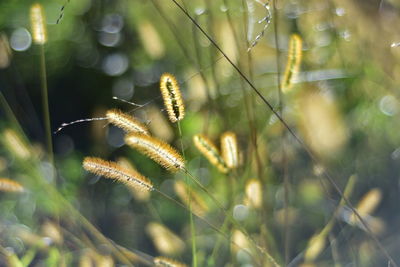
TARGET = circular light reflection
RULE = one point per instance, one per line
(115, 137)
(123, 89)
(115, 64)
(20, 39)
(109, 39)
(240, 212)
(389, 105)
(112, 23)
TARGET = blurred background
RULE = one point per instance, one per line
(344, 105)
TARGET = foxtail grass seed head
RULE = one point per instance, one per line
(114, 171)
(293, 63)
(172, 97)
(157, 150)
(210, 151)
(7, 185)
(125, 121)
(165, 241)
(194, 199)
(38, 24)
(167, 262)
(254, 193)
(14, 144)
(367, 204)
(230, 151)
(139, 195)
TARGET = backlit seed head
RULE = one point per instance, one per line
(38, 24)
(165, 241)
(7, 185)
(230, 151)
(293, 62)
(125, 121)
(194, 199)
(172, 97)
(114, 171)
(210, 151)
(157, 150)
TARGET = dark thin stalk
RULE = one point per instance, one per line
(45, 105)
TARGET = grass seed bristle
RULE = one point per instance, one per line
(230, 151)
(38, 24)
(167, 262)
(125, 121)
(293, 63)
(157, 150)
(8, 185)
(210, 151)
(114, 171)
(172, 97)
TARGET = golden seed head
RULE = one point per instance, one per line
(172, 97)
(210, 151)
(125, 121)
(367, 204)
(16, 145)
(139, 195)
(157, 150)
(38, 24)
(114, 171)
(293, 63)
(230, 151)
(194, 200)
(164, 239)
(8, 185)
(254, 193)
(167, 262)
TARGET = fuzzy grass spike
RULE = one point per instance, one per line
(172, 97)
(116, 172)
(157, 150)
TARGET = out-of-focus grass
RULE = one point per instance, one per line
(344, 104)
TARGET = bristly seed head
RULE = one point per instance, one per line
(157, 150)
(172, 97)
(293, 63)
(210, 151)
(8, 185)
(125, 121)
(38, 24)
(230, 151)
(114, 171)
